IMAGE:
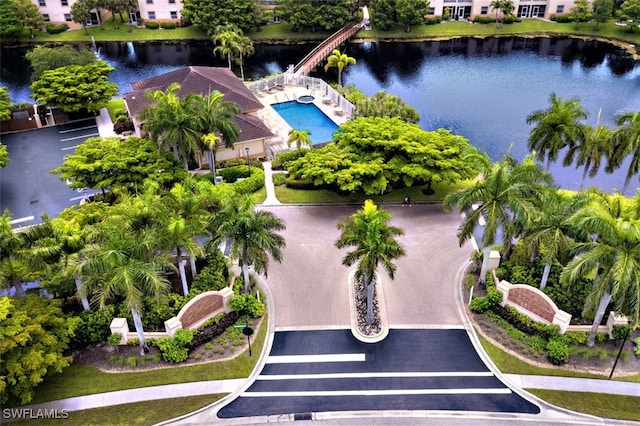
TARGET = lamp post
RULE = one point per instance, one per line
(246, 149)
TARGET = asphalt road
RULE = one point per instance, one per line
(412, 369)
(26, 186)
(310, 285)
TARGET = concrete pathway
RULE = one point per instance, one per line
(104, 123)
(271, 199)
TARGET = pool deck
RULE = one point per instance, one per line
(278, 125)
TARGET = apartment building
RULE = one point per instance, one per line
(59, 11)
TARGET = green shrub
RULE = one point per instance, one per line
(621, 332)
(56, 29)
(152, 25)
(282, 160)
(168, 25)
(132, 361)
(231, 174)
(561, 19)
(558, 351)
(93, 327)
(299, 183)
(114, 340)
(484, 303)
(171, 350)
(255, 163)
(602, 337)
(279, 179)
(133, 342)
(208, 346)
(183, 337)
(209, 279)
(577, 337)
(433, 21)
(510, 19)
(250, 184)
(247, 304)
(483, 20)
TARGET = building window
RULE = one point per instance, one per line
(174, 14)
(46, 17)
(172, 1)
(432, 11)
(484, 10)
(152, 15)
(42, 2)
(64, 2)
(149, 1)
(560, 8)
(67, 17)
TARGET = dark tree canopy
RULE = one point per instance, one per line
(76, 87)
(112, 163)
(44, 58)
(4, 156)
(315, 14)
(383, 14)
(11, 25)
(5, 104)
(371, 154)
(209, 14)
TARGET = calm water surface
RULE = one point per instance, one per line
(481, 89)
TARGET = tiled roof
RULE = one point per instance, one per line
(199, 80)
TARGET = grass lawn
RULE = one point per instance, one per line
(598, 404)
(281, 33)
(80, 380)
(139, 413)
(114, 106)
(304, 196)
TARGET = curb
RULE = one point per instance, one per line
(353, 314)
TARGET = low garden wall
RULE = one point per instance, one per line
(196, 312)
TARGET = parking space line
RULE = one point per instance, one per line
(291, 359)
(20, 220)
(82, 196)
(373, 375)
(385, 392)
(69, 147)
(79, 137)
(79, 128)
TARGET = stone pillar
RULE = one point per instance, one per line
(227, 294)
(615, 319)
(172, 325)
(119, 325)
(494, 260)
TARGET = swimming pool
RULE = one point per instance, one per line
(307, 117)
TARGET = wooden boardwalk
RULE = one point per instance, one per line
(324, 49)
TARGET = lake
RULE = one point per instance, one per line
(482, 89)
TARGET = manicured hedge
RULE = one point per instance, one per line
(57, 29)
(152, 25)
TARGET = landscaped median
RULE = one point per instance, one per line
(367, 333)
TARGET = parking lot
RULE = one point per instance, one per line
(27, 188)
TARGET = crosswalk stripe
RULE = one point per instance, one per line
(457, 391)
(291, 359)
(373, 375)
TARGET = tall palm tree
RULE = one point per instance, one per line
(216, 121)
(127, 261)
(252, 234)
(556, 128)
(340, 61)
(172, 122)
(497, 6)
(551, 229)
(612, 257)
(626, 142)
(226, 38)
(183, 220)
(596, 145)
(369, 232)
(506, 197)
(245, 48)
(300, 138)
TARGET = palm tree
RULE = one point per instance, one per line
(551, 229)
(127, 261)
(216, 121)
(612, 257)
(556, 128)
(20, 260)
(245, 48)
(340, 61)
(184, 219)
(172, 122)
(626, 141)
(596, 145)
(497, 6)
(505, 198)
(300, 138)
(369, 232)
(226, 38)
(251, 234)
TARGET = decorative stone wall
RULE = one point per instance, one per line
(532, 302)
(195, 313)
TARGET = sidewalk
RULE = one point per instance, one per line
(271, 199)
(104, 123)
